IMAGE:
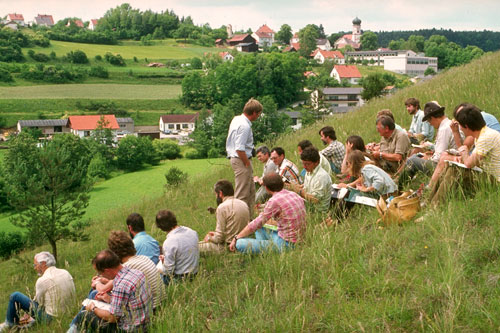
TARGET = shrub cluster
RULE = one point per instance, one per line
(11, 243)
(52, 74)
(98, 71)
(114, 59)
(175, 176)
(40, 57)
(77, 57)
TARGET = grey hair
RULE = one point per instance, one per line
(46, 257)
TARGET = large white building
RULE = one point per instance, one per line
(338, 100)
(411, 63)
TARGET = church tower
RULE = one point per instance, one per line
(356, 30)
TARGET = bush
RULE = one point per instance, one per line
(98, 168)
(135, 59)
(167, 149)
(99, 71)
(192, 154)
(114, 59)
(5, 76)
(213, 153)
(40, 57)
(175, 176)
(53, 55)
(196, 63)
(429, 71)
(98, 57)
(77, 57)
(52, 74)
(11, 243)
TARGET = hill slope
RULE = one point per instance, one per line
(438, 275)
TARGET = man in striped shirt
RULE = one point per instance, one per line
(288, 211)
(286, 169)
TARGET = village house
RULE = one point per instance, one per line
(93, 24)
(11, 25)
(84, 126)
(78, 23)
(16, 18)
(354, 39)
(47, 126)
(44, 20)
(226, 56)
(323, 44)
(126, 125)
(338, 100)
(177, 123)
(243, 43)
(377, 56)
(150, 131)
(321, 56)
(411, 63)
(220, 42)
(346, 72)
(296, 119)
(264, 36)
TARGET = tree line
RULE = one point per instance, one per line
(485, 40)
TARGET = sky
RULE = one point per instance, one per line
(335, 15)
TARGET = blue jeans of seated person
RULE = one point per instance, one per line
(19, 301)
(264, 240)
(91, 295)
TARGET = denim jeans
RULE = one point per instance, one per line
(264, 240)
(91, 295)
(19, 301)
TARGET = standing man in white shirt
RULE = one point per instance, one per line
(239, 147)
(55, 291)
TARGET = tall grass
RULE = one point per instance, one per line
(440, 274)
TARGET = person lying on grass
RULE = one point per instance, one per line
(286, 208)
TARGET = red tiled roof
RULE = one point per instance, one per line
(296, 46)
(347, 71)
(265, 29)
(179, 118)
(261, 34)
(15, 16)
(94, 21)
(238, 38)
(90, 122)
(223, 54)
(309, 73)
(78, 23)
(44, 18)
(328, 54)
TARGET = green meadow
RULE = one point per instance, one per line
(440, 274)
(162, 49)
(131, 188)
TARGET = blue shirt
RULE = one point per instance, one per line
(239, 137)
(146, 245)
(491, 121)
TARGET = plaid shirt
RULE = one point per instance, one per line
(131, 299)
(334, 153)
(288, 210)
(290, 171)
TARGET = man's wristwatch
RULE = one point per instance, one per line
(235, 239)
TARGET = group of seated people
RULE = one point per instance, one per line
(131, 273)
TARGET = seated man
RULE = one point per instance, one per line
(180, 250)
(232, 216)
(323, 162)
(54, 292)
(426, 163)
(145, 245)
(121, 244)
(394, 145)
(388, 113)
(419, 130)
(131, 302)
(289, 212)
(486, 155)
(490, 121)
(335, 150)
(317, 185)
(263, 155)
(286, 168)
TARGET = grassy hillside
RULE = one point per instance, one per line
(162, 49)
(440, 274)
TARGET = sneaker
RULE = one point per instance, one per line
(5, 327)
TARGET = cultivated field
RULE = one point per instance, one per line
(92, 91)
(163, 49)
